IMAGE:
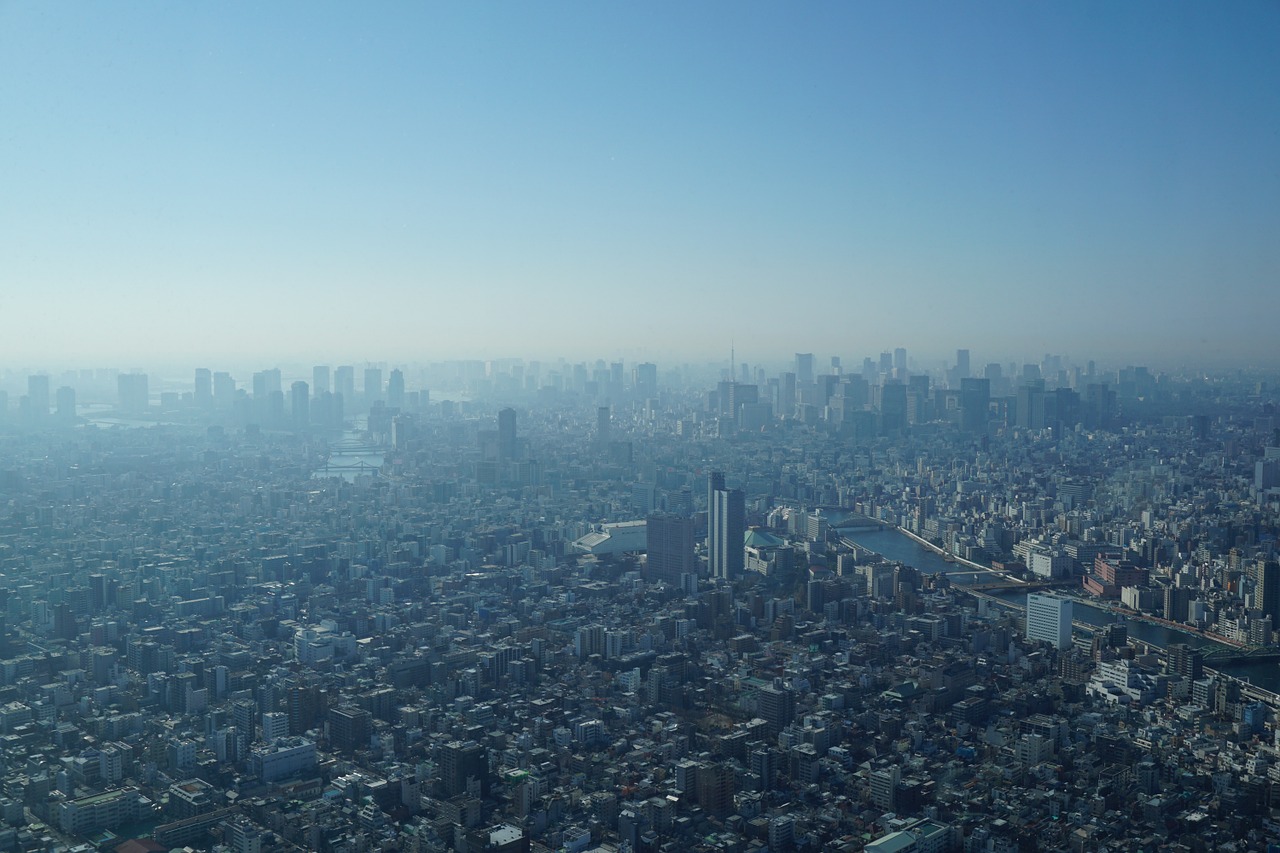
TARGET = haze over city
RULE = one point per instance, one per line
(303, 182)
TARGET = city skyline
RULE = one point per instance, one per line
(650, 183)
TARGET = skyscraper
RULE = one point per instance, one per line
(975, 400)
(962, 364)
(320, 379)
(38, 395)
(344, 380)
(300, 400)
(204, 388)
(804, 367)
(372, 385)
(463, 764)
(507, 434)
(395, 389)
(1049, 619)
(726, 525)
(1266, 589)
(669, 546)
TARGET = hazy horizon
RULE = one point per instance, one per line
(193, 184)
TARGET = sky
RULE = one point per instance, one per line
(648, 181)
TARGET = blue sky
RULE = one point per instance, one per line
(404, 181)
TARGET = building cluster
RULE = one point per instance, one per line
(576, 608)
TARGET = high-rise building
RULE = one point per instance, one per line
(726, 526)
(344, 381)
(300, 401)
(464, 767)
(132, 391)
(900, 360)
(395, 389)
(349, 729)
(66, 404)
(962, 364)
(1049, 619)
(777, 707)
(373, 391)
(204, 388)
(602, 425)
(507, 434)
(646, 380)
(224, 391)
(804, 367)
(669, 547)
(38, 395)
(320, 379)
(715, 789)
(975, 400)
(1266, 589)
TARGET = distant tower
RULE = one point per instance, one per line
(372, 385)
(133, 394)
(804, 367)
(962, 364)
(301, 403)
(507, 434)
(320, 379)
(395, 389)
(975, 399)
(38, 395)
(602, 426)
(66, 404)
(344, 379)
(204, 388)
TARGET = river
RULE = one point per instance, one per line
(896, 546)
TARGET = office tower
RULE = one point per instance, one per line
(66, 404)
(349, 729)
(464, 768)
(804, 367)
(38, 395)
(275, 724)
(962, 364)
(900, 360)
(132, 392)
(204, 388)
(602, 426)
(395, 389)
(320, 379)
(224, 391)
(975, 400)
(647, 380)
(1266, 589)
(777, 707)
(344, 379)
(669, 547)
(507, 434)
(1049, 619)
(1186, 661)
(886, 363)
(300, 401)
(726, 523)
(715, 789)
(715, 483)
(893, 408)
(787, 395)
(372, 385)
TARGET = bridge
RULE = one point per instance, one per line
(1257, 655)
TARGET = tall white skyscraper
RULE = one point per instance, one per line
(1049, 619)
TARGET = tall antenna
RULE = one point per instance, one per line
(733, 363)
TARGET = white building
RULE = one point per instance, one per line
(1049, 619)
